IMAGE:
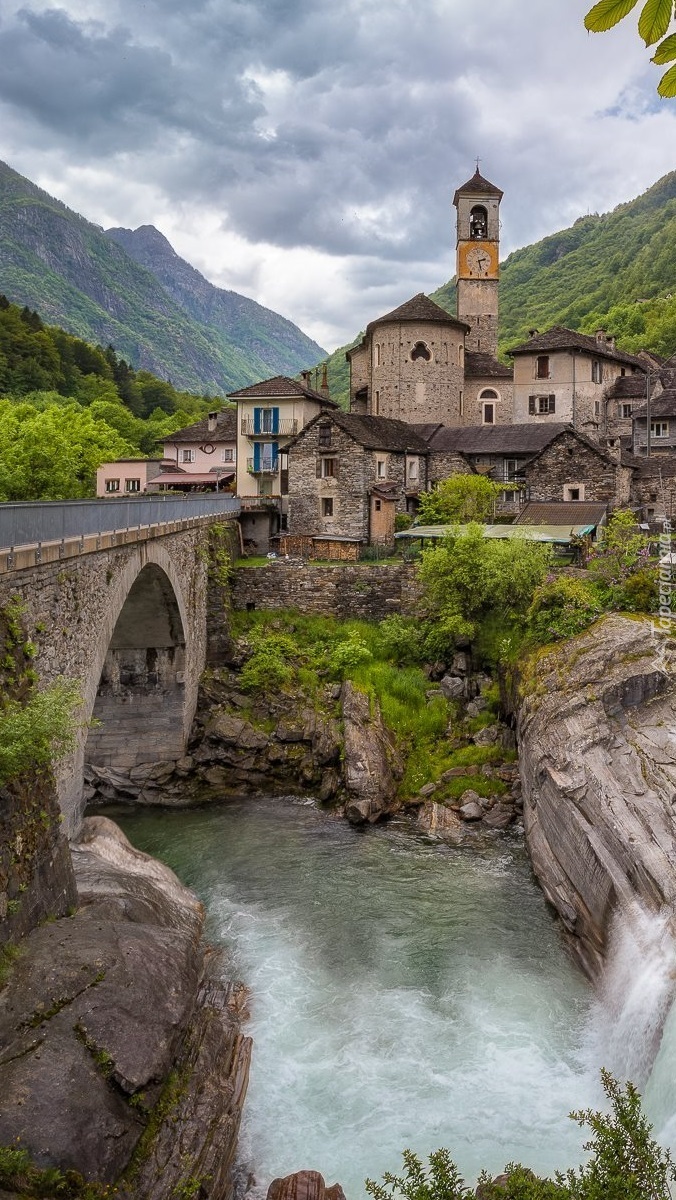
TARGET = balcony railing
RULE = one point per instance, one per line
(265, 466)
(286, 427)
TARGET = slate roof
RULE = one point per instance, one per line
(478, 186)
(560, 338)
(663, 405)
(480, 366)
(278, 387)
(225, 431)
(627, 387)
(374, 433)
(528, 438)
(418, 308)
(561, 512)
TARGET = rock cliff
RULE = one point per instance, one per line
(597, 739)
(121, 1057)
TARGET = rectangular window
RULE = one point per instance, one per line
(597, 408)
(626, 410)
(186, 456)
(376, 406)
(462, 404)
(488, 414)
(381, 468)
(542, 366)
(132, 485)
(325, 435)
(266, 420)
(327, 506)
(541, 405)
(573, 491)
(659, 429)
(112, 485)
(228, 454)
(510, 468)
(329, 468)
(413, 469)
(597, 371)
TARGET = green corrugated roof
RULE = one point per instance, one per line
(560, 534)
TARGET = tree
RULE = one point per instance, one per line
(458, 499)
(653, 24)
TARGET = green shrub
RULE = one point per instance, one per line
(402, 639)
(561, 608)
(348, 655)
(640, 592)
(268, 669)
(625, 1163)
(38, 731)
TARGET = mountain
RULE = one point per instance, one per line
(173, 323)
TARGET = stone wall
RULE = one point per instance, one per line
(568, 461)
(361, 590)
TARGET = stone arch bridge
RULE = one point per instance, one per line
(118, 602)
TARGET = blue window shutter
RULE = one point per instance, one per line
(275, 421)
(275, 455)
(257, 450)
(257, 420)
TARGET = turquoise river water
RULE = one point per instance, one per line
(404, 993)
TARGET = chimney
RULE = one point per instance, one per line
(600, 335)
(610, 341)
(306, 376)
(324, 389)
(212, 420)
(532, 333)
(614, 449)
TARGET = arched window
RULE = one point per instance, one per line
(420, 351)
(489, 394)
(478, 223)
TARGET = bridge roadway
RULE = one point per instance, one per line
(114, 594)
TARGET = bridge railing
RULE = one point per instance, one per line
(32, 522)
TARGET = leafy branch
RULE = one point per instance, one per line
(653, 24)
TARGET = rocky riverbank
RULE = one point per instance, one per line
(121, 1056)
(597, 742)
(335, 747)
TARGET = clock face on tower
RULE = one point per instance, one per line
(478, 260)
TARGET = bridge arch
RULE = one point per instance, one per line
(140, 684)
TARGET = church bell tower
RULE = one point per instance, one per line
(478, 263)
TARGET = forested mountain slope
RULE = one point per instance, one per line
(53, 260)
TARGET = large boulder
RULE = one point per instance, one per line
(109, 1013)
(304, 1185)
(372, 766)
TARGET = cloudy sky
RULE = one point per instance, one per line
(305, 152)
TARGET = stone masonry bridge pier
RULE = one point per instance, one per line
(114, 595)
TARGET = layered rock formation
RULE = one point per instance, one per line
(597, 737)
(121, 1056)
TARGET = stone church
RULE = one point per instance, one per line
(420, 364)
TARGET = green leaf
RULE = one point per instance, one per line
(666, 51)
(654, 20)
(607, 13)
(667, 85)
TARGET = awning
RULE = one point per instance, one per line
(556, 534)
(184, 479)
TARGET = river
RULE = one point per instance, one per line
(404, 993)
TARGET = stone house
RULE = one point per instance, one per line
(566, 376)
(539, 462)
(349, 475)
(654, 488)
